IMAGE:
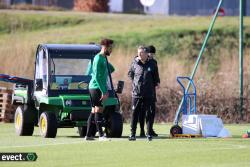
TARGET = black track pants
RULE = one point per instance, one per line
(141, 105)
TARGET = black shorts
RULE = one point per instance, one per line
(95, 96)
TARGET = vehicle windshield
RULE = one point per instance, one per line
(70, 73)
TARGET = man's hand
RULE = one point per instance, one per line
(105, 96)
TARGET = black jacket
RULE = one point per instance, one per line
(144, 78)
(157, 77)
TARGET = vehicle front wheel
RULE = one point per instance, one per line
(48, 125)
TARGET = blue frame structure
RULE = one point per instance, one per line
(189, 102)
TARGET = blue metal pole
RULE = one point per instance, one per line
(199, 58)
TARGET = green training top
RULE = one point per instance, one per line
(100, 73)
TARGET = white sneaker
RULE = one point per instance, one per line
(103, 138)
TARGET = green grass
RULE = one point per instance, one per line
(173, 36)
(170, 34)
(127, 30)
(70, 150)
(114, 21)
(11, 22)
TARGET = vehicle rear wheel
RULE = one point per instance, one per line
(93, 130)
(48, 125)
(114, 125)
(83, 130)
(24, 121)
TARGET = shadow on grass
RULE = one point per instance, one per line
(138, 137)
(72, 137)
(36, 135)
(122, 137)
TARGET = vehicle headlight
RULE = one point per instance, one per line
(68, 102)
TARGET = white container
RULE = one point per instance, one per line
(224, 133)
(191, 124)
(211, 127)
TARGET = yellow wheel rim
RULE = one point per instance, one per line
(18, 121)
(43, 125)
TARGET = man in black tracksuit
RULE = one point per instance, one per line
(143, 75)
(151, 54)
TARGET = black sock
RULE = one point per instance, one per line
(98, 122)
(89, 124)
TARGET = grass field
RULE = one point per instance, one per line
(70, 150)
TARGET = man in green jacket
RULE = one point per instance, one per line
(98, 87)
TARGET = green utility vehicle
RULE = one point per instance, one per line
(58, 97)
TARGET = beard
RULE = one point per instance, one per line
(107, 53)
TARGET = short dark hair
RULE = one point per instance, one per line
(151, 49)
(142, 47)
(106, 42)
